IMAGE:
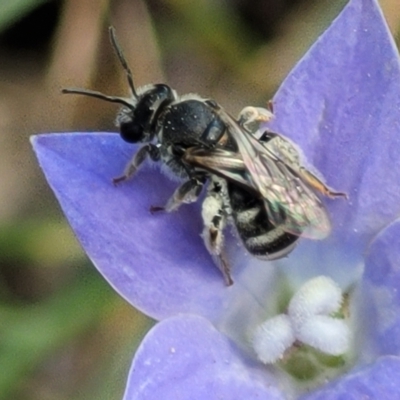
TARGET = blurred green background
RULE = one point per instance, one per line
(64, 334)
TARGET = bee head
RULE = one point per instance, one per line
(136, 119)
(137, 123)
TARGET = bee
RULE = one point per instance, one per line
(255, 179)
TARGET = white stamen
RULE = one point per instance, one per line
(327, 334)
(272, 338)
(318, 296)
(308, 321)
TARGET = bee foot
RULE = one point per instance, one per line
(228, 279)
(154, 209)
(224, 266)
(332, 194)
(119, 179)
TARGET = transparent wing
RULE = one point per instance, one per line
(224, 163)
(293, 204)
(289, 202)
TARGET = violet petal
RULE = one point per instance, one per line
(157, 262)
(341, 104)
(380, 315)
(185, 357)
(377, 381)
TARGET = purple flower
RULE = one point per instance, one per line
(341, 105)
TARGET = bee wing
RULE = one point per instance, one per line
(224, 163)
(288, 200)
(293, 204)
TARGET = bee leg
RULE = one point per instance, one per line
(187, 193)
(214, 219)
(139, 157)
(270, 106)
(251, 117)
(318, 185)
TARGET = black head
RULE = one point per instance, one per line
(139, 113)
(138, 123)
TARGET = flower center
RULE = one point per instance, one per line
(312, 332)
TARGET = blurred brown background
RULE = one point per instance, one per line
(63, 333)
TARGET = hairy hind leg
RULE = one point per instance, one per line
(214, 219)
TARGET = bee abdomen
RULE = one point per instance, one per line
(245, 218)
(259, 236)
(271, 245)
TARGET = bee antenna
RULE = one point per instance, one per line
(98, 95)
(122, 60)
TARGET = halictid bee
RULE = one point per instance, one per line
(254, 178)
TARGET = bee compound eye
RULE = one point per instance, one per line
(131, 132)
